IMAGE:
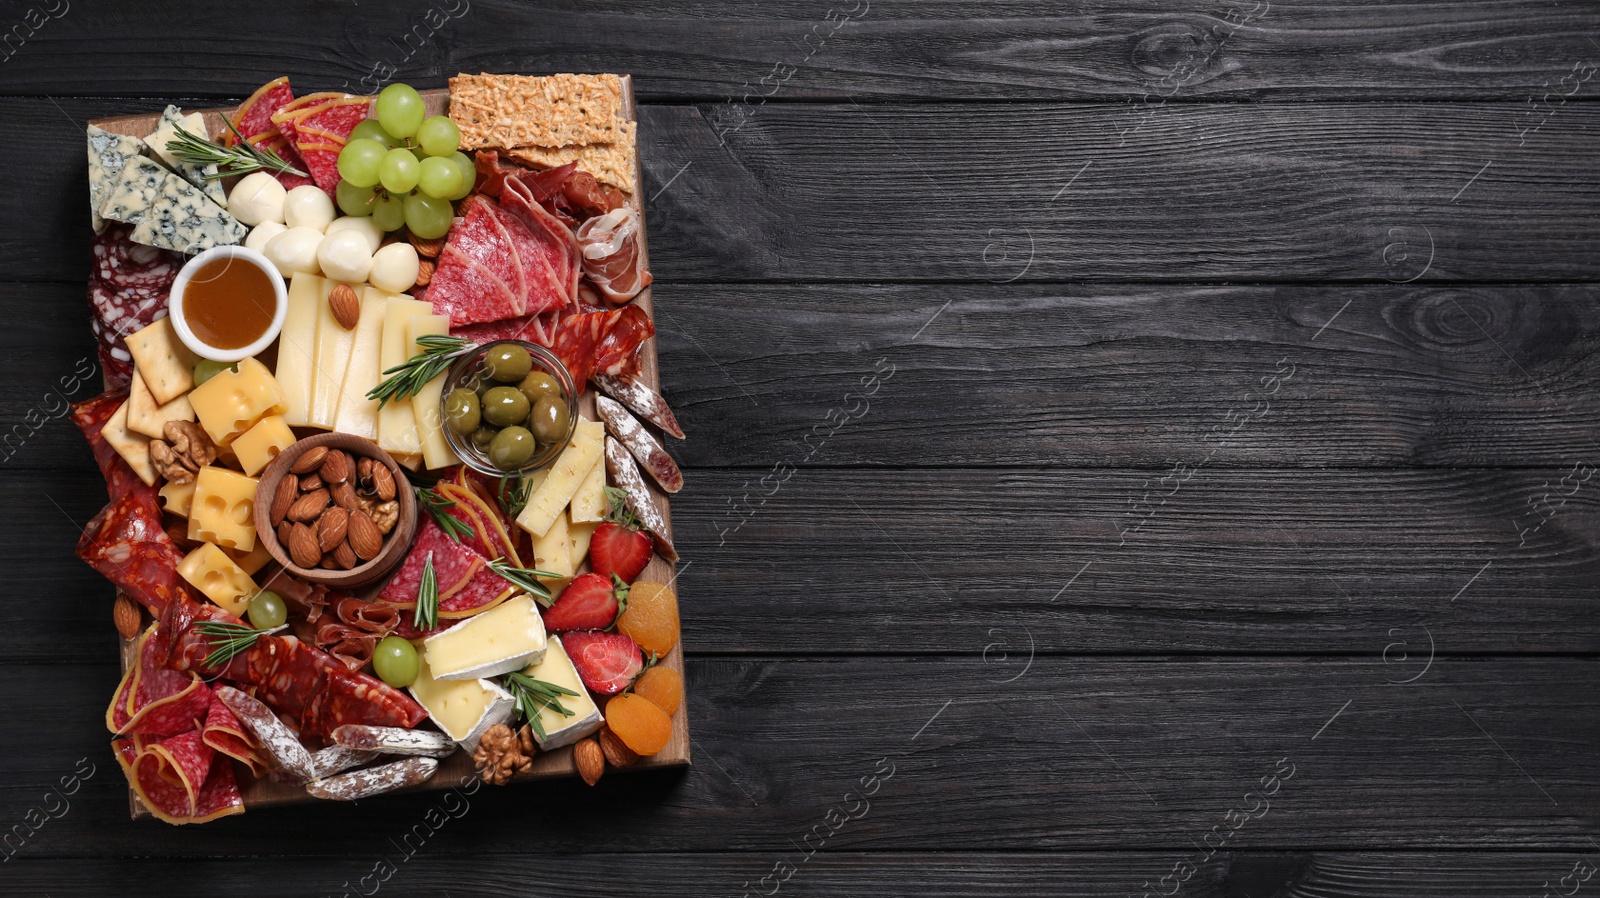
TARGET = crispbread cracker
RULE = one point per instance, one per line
(610, 163)
(148, 417)
(133, 447)
(167, 365)
(507, 111)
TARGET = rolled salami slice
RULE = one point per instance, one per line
(337, 759)
(646, 448)
(395, 740)
(374, 780)
(283, 748)
(645, 402)
(626, 475)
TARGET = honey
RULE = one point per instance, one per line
(229, 303)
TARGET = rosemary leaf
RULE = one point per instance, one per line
(534, 696)
(426, 615)
(525, 579)
(228, 640)
(407, 379)
(236, 160)
(438, 508)
(514, 493)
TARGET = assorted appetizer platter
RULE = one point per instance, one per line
(385, 453)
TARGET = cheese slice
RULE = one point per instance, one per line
(133, 447)
(560, 729)
(356, 414)
(108, 156)
(333, 354)
(148, 417)
(589, 502)
(436, 451)
(464, 709)
(168, 212)
(507, 637)
(171, 120)
(397, 425)
(553, 552)
(552, 496)
(297, 348)
(579, 536)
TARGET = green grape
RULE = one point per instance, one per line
(205, 369)
(395, 662)
(389, 212)
(371, 130)
(400, 110)
(399, 171)
(439, 136)
(353, 200)
(428, 217)
(440, 177)
(266, 610)
(469, 174)
(359, 161)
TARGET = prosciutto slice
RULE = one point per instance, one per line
(357, 626)
(504, 260)
(588, 343)
(609, 247)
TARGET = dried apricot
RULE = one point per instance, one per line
(640, 725)
(651, 618)
(663, 686)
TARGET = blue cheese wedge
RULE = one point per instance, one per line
(561, 729)
(464, 709)
(168, 212)
(505, 638)
(108, 156)
(201, 176)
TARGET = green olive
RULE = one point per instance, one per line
(507, 363)
(539, 383)
(550, 419)
(481, 438)
(511, 448)
(461, 410)
(504, 406)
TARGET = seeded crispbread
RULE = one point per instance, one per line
(506, 111)
(610, 163)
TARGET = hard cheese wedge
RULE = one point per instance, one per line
(552, 496)
(223, 582)
(108, 156)
(561, 729)
(171, 120)
(500, 640)
(397, 425)
(258, 446)
(168, 212)
(436, 451)
(223, 509)
(356, 414)
(464, 709)
(297, 348)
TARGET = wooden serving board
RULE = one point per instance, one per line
(458, 768)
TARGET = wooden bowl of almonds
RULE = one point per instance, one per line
(337, 510)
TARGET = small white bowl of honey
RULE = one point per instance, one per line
(228, 304)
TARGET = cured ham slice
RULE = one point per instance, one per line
(357, 625)
(587, 343)
(609, 247)
(504, 260)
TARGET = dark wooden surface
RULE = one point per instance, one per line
(1241, 418)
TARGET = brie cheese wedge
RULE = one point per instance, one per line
(560, 729)
(464, 709)
(503, 639)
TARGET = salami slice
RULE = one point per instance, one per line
(337, 759)
(220, 796)
(485, 590)
(625, 474)
(454, 565)
(126, 544)
(183, 761)
(489, 535)
(319, 130)
(224, 733)
(646, 448)
(545, 238)
(374, 781)
(254, 115)
(91, 416)
(289, 759)
(154, 701)
(643, 401)
(164, 788)
(479, 277)
(396, 741)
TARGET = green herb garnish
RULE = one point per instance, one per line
(236, 160)
(438, 508)
(525, 579)
(514, 493)
(228, 640)
(534, 696)
(426, 615)
(409, 377)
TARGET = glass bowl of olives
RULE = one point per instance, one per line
(509, 407)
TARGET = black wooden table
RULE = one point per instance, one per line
(1135, 449)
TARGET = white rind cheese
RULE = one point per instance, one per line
(464, 709)
(503, 639)
(171, 120)
(559, 729)
(108, 156)
(168, 212)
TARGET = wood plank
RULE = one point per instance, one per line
(967, 874)
(1025, 49)
(979, 194)
(1071, 754)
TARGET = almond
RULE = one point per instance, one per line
(364, 471)
(284, 529)
(424, 272)
(344, 496)
(310, 483)
(345, 556)
(364, 537)
(590, 759)
(427, 249)
(126, 616)
(345, 305)
(306, 508)
(303, 546)
(288, 490)
(618, 754)
(336, 468)
(331, 528)
(310, 461)
(383, 482)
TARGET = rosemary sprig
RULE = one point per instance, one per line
(242, 159)
(426, 615)
(228, 640)
(525, 579)
(407, 379)
(534, 696)
(438, 508)
(514, 493)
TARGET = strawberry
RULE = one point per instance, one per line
(618, 546)
(606, 662)
(590, 602)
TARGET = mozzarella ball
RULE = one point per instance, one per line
(364, 224)
(345, 256)
(262, 234)
(308, 206)
(295, 250)
(257, 198)
(394, 268)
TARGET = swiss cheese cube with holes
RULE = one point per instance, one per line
(222, 509)
(258, 446)
(212, 572)
(232, 402)
(177, 497)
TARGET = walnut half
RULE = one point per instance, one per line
(503, 753)
(183, 453)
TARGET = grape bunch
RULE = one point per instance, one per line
(402, 168)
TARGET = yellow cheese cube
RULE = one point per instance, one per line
(223, 509)
(258, 446)
(297, 348)
(397, 426)
(231, 403)
(176, 497)
(253, 560)
(553, 552)
(436, 451)
(133, 447)
(222, 581)
(551, 498)
(589, 502)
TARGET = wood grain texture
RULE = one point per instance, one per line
(933, 49)
(972, 754)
